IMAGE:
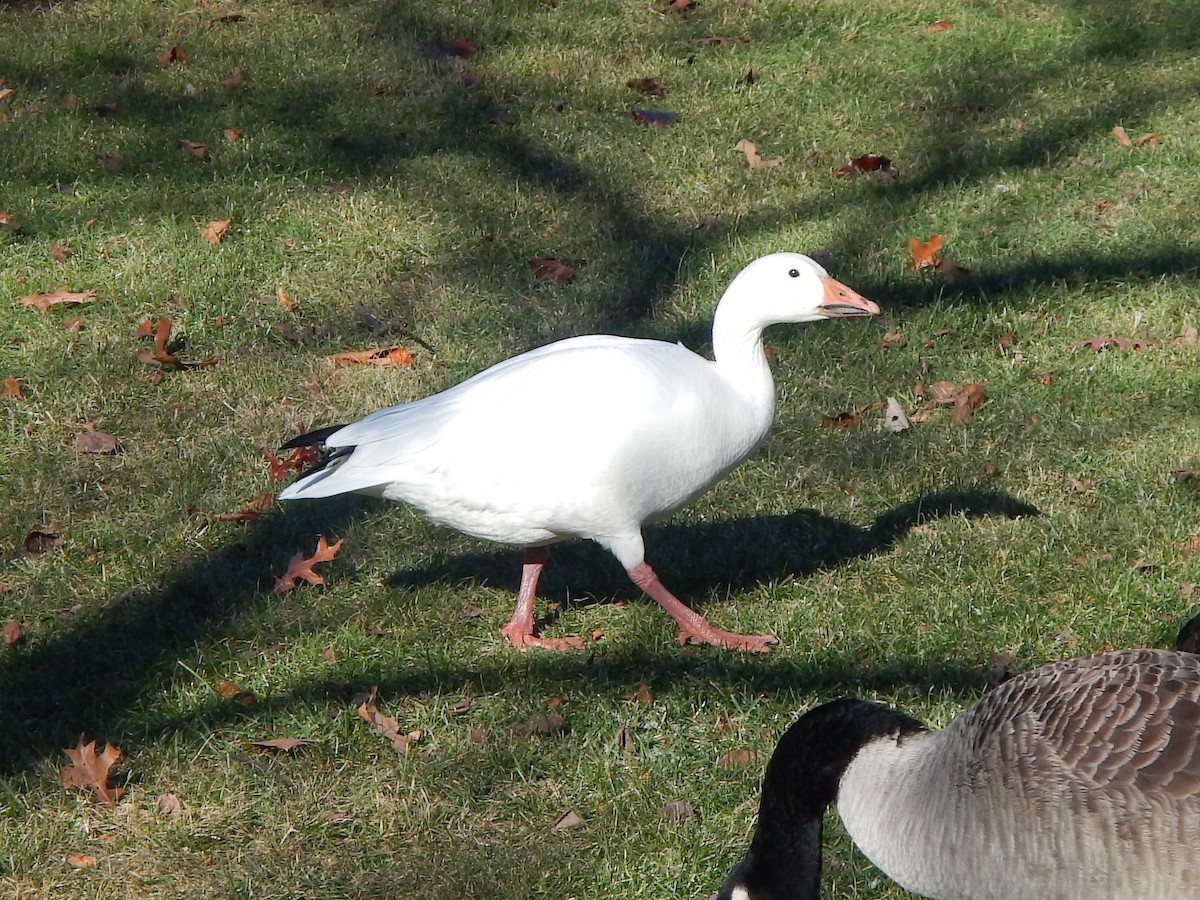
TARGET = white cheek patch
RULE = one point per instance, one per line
(739, 893)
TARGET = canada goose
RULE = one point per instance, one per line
(588, 437)
(1076, 781)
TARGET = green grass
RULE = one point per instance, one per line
(890, 566)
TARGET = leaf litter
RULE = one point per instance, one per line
(89, 770)
(300, 567)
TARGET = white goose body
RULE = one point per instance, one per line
(1076, 781)
(588, 437)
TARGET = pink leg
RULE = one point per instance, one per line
(694, 627)
(519, 629)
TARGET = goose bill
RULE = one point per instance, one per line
(841, 301)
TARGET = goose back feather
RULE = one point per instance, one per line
(1075, 781)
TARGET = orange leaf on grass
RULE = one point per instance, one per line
(44, 301)
(162, 355)
(299, 459)
(940, 25)
(11, 389)
(385, 356)
(89, 770)
(214, 232)
(735, 758)
(924, 254)
(300, 567)
(252, 510)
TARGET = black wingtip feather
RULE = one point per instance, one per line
(311, 438)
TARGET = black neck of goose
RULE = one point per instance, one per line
(801, 781)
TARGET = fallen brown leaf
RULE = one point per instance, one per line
(1122, 344)
(214, 232)
(169, 804)
(13, 632)
(195, 148)
(235, 79)
(551, 268)
(676, 810)
(939, 25)
(736, 758)
(868, 163)
(569, 819)
(299, 459)
(470, 611)
(1121, 136)
(12, 389)
(649, 86)
(80, 860)
(252, 510)
(1190, 546)
(60, 253)
(174, 55)
(89, 770)
(286, 302)
(401, 740)
(385, 356)
(95, 442)
(40, 541)
(44, 301)
(300, 567)
(625, 741)
(231, 134)
(231, 690)
(923, 254)
(553, 724)
(753, 159)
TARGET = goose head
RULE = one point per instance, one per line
(791, 287)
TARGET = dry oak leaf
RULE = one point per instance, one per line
(169, 804)
(940, 25)
(755, 161)
(735, 758)
(214, 232)
(252, 510)
(235, 79)
(195, 148)
(174, 55)
(569, 819)
(89, 770)
(162, 355)
(5, 93)
(231, 134)
(286, 302)
(401, 740)
(1192, 546)
(455, 48)
(299, 459)
(1122, 344)
(60, 253)
(381, 356)
(677, 810)
(112, 162)
(300, 567)
(80, 860)
(41, 540)
(91, 441)
(923, 254)
(551, 268)
(868, 163)
(649, 86)
(13, 632)
(8, 221)
(11, 389)
(44, 301)
(554, 724)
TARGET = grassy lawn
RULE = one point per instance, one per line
(378, 167)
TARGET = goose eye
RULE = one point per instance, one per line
(794, 273)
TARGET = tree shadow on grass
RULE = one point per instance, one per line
(91, 677)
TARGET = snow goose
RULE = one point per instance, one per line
(1076, 781)
(589, 437)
